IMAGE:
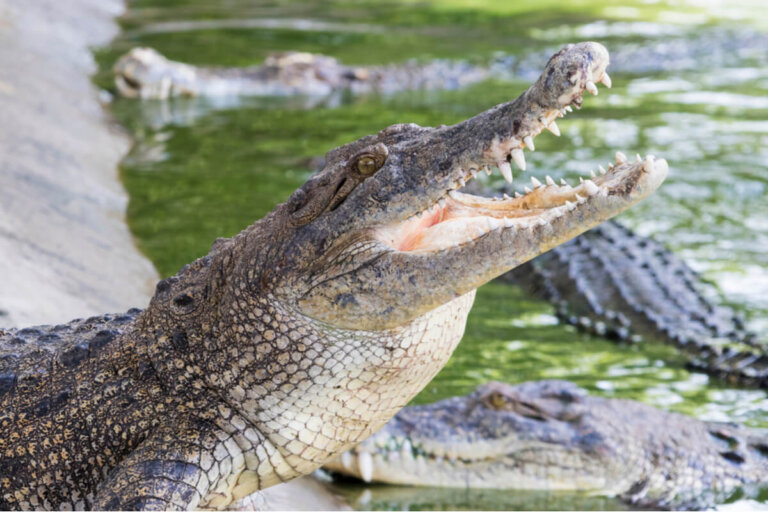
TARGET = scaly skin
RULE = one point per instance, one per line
(299, 337)
(614, 283)
(551, 435)
(145, 73)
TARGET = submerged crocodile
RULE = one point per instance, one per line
(612, 282)
(145, 73)
(297, 338)
(552, 436)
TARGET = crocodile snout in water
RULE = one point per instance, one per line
(551, 435)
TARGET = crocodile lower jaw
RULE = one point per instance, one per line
(459, 219)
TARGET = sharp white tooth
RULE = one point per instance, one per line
(581, 180)
(542, 221)
(453, 195)
(406, 447)
(473, 172)
(569, 108)
(536, 183)
(553, 128)
(606, 80)
(591, 87)
(621, 158)
(487, 170)
(494, 223)
(561, 113)
(462, 182)
(517, 195)
(508, 223)
(580, 199)
(506, 196)
(527, 190)
(638, 157)
(570, 205)
(549, 180)
(574, 78)
(592, 174)
(591, 188)
(519, 158)
(365, 465)
(506, 170)
(346, 460)
(611, 166)
(563, 182)
(529, 142)
(601, 169)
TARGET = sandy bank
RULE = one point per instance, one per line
(65, 250)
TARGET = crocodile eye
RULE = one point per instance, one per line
(497, 401)
(366, 165)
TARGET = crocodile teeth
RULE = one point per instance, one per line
(519, 158)
(571, 206)
(529, 142)
(518, 195)
(554, 129)
(639, 158)
(591, 87)
(568, 108)
(506, 170)
(527, 190)
(606, 80)
(549, 180)
(346, 460)
(601, 169)
(536, 183)
(590, 187)
(487, 170)
(563, 182)
(621, 158)
(365, 464)
(579, 199)
(592, 174)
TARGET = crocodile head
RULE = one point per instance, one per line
(528, 437)
(336, 308)
(552, 436)
(383, 234)
(145, 73)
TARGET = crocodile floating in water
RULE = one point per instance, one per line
(552, 436)
(299, 337)
(145, 73)
(614, 283)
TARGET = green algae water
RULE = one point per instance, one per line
(206, 168)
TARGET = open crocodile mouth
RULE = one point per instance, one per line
(458, 219)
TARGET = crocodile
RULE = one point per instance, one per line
(145, 73)
(614, 283)
(294, 340)
(553, 436)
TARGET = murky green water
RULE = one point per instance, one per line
(203, 169)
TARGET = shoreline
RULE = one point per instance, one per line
(65, 248)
